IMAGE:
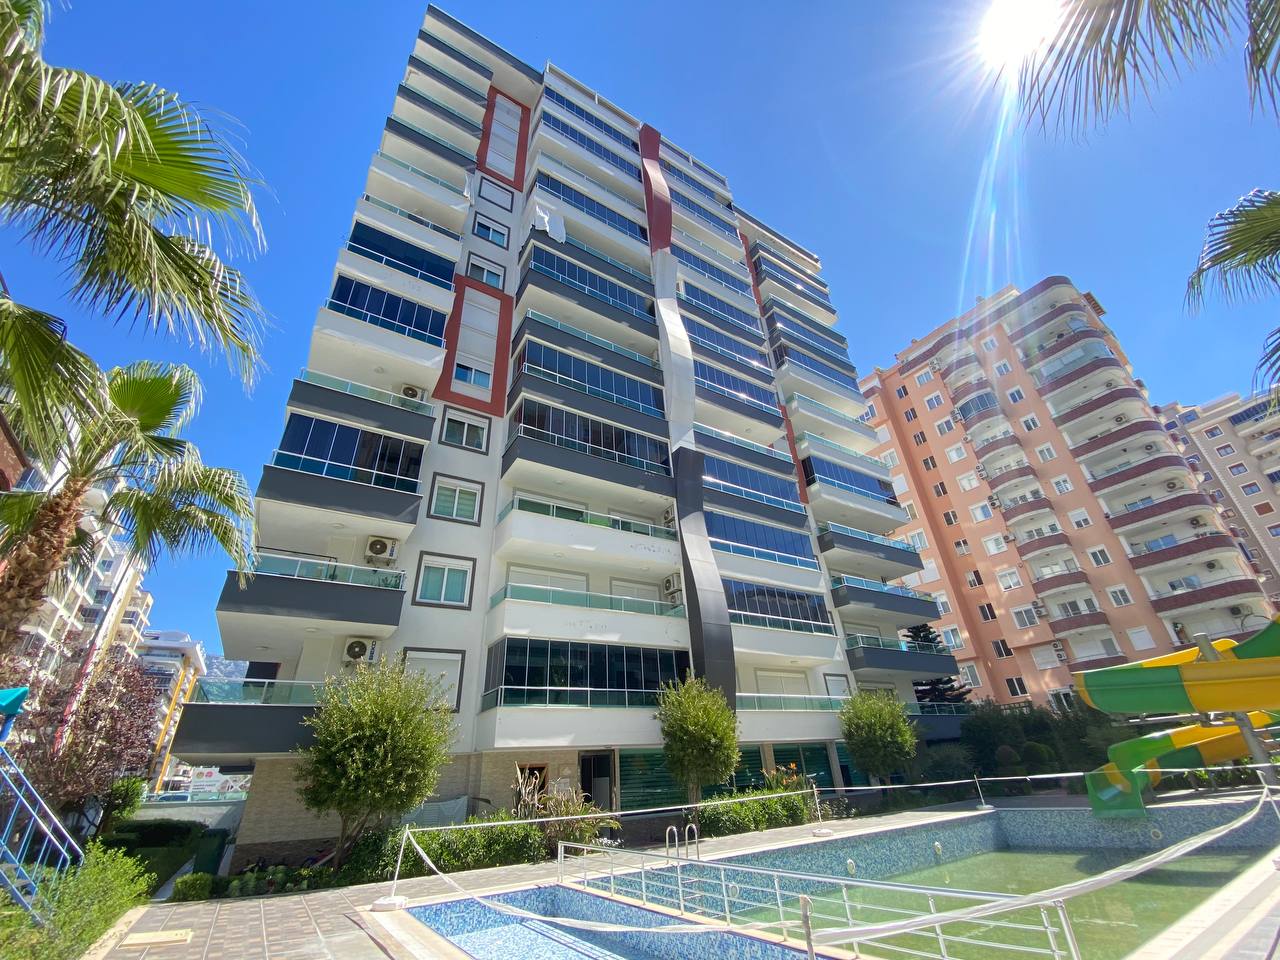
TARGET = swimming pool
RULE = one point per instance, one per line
(486, 934)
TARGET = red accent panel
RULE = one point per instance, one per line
(522, 141)
(657, 195)
(495, 407)
(795, 456)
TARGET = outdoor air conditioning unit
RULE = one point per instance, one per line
(669, 516)
(1119, 418)
(980, 470)
(1211, 565)
(412, 391)
(359, 648)
(1171, 485)
(935, 366)
(993, 500)
(968, 438)
(1109, 384)
(1239, 611)
(1057, 645)
(1149, 447)
(1197, 522)
(672, 584)
(381, 548)
(1008, 538)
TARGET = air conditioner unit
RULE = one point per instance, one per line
(412, 391)
(1061, 655)
(980, 470)
(1197, 522)
(381, 548)
(1119, 418)
(935, 366)
(1149, 447)
(1109, 384)
(1057, 645)
(1171, 485)
(1211, 565)
(1239, 611)
(968, 438)
(1008, 538)
(993, 500)
(359, 648)
(672, 584)
(669, 516)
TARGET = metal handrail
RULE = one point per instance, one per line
(399, 265)
(405, 165)
(590, 338)
(813, 439)
(866, 535)
(375, 394)
(304, 568)
(847, 581)
(562, 511)
(535, 593)
(590, 449)
(893, 643)
(740, 442)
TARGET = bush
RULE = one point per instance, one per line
(1038, 758)
(947, 761)
(881, 739)
(985, 730)
(153, 833)
(766, 810)
(373, 858)
(194, 886)
(122, 801)
(86, 902)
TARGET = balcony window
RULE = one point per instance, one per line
(713, 339)
(590, 378)
(976, 404)
(349, 453)
(710, 270)
(817, 470)
(788, 278)
(1071, 359)
(610, 131)
(593, 147)
(784, 353)
(592, 208)
(465, 373)
(758, 604)
(788, 318)
(699, 212)
(358, 300)
(735, 386)
(753, 484)
(401, 255)
(760, 540)
(720, 307)
(541, 421)
(593, 284)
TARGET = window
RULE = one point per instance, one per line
(939, 489)
(462, 431)
(464, 373)
(969, 673)
(484, 271)
(1119, 596)
(989, 344)
(1099, 556)
(973, 578)
(1003, 369)
(951, 638)
(943, 602)
(967, 481)
(1001, 649)
(956, 454)
(1017, 688)
(929, 463)
(901, 392)
(987, 612)
(945, 426)
(910, 508)
(1237, 468)
(919, 438)
(1030, 423)
(1009, 579)
(962, 548)
(933, 401)
(454, 499)
(1079, 519)
(1251, 489)
(1262, 509)
(490, 230)
(1193, 460)
(1025, 617)
(1225, 450)
(980, 512)
(923, 377)
(1140, 638)
(918, 540)
(499, 196)
(1045, 452)
(1274, 529)
(950, 518)
(1062, 485)
(909, 414)
(1046, 657)
(443, 581)
(994, 544)
(889, 458)
(444, 665)
(1213, 432)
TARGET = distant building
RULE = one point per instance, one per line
(174, 662)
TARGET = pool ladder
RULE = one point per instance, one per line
(672, 845)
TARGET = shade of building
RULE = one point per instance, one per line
(1060, 526)
(573, 423)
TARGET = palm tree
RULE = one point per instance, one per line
(1105, 52)
(131, 189)
(157, 495)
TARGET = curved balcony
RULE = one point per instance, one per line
(1008, 442)
(1040, 323)
(1079, 622)
(1026, 508)
(1133, 428)
(1066, 340)
(1195, 546)
(958, 364)
(1162, 468)
(1096, 663)
(1118, 393)
(1059, 581)
(1040, 544)
(1078, 374)
(1012, 475)
(969, 389)
(983, 416)
(1174, 506)
(1229, 588)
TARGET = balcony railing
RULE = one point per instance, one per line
(850, 488)
(714, 483)
(406, 268)
(760, 553)
(469, 154)
(559, 511)
(852, 423)
(746, 618)
(1155, 546)
(735, 395)
(590, 391)
(512, 696)
(711, 252)
(864, 535)
(1188, 587)
(823, 443)
(591, 338)
(565, 169)
(938, 709)
(788, 701)
(411, 217)
(865, 584)
(343, 471)
(852, 640)
(419, 172)
(368, 393)
(741, 442)
(844, 388)
(376, 320)
(293, 693)
(532, 593)
(590, 449)
(315, 568)
(590, 292)
(600, 254)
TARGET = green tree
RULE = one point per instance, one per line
(381, 737)
(880, 737)
(121, 801)
(1104, 52)
(132, 190)
(924, 633)
(699, 734)
(159, 496)
(987, 728)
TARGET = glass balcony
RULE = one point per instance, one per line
(823, 443)
(787, 701)
(590, 449)
(746, 618)
(343, 471)
(864, 535)
(405, 268)
(859, 491)
(562, 277)
(1055, 370)
(419, 172)
(576, 515)
(863, 583)
(368, 393)
(938, 709)
(274, 692)
(590, 391)
(532, 593)
(740, 442)
(712, 483)
(469, 154)
(735, 395)
(591, 338)
(511, 696)
(376, 320)
(852, 640)
(712, 253)
(411, 217)
(819, 409)
(600, 254)
(759, 553)
(318, 568)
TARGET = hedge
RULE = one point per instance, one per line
(766, 811)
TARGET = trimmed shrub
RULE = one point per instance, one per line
(947, 761)
(764, 811)
(373, 858)
(194, 886)
(1038, 758)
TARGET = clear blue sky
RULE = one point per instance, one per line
(859, 132)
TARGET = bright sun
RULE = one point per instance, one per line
(1013, 30)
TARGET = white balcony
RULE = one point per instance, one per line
(543, 727)
(833, 503)
(372, 350)
(534, 531)
(795, 378)
(517, 610)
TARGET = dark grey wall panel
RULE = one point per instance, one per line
(294, 486)
(739, 407)
(921, 666)
(316, 599)
(406, 132)
(548, 454)
(832, 539)
(532, 385)
(246, 729)
(770, 514)
(938, 728)
(360, 411)
(710, 629)
(595, 264)
(845, 595)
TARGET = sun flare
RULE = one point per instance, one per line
(1013, 30)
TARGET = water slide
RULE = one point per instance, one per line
(1246, 679)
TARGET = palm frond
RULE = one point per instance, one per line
(156, 397)
(18, 509)
(1241, 252)
(1107, 52)
(1262, 50)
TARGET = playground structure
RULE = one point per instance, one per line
(1232, 686)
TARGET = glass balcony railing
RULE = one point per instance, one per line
(377, 320)
(292, 693)
(533, 593)
(795, 331)
(590, 449)
(824, 444)
(590, 391)
(591, 292)
(759, 553)
(865, 584)
(712, 483)
(564, 169)
(591, 338)
(788, 701)
(625, 268)
(406, 268)
(319, 568)
(1054, 370)
(746, 618)
(820, 409)
(469, 154)
(852, 640)
(735, 395)
(858, 491)
(740, 442)
(368, 393)
(343, 471)
(865, 535)
(411, 217)
(706, 250)
(938, 709)
(511, 696)
(419, 172)
(467, 121)
(559, 511)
